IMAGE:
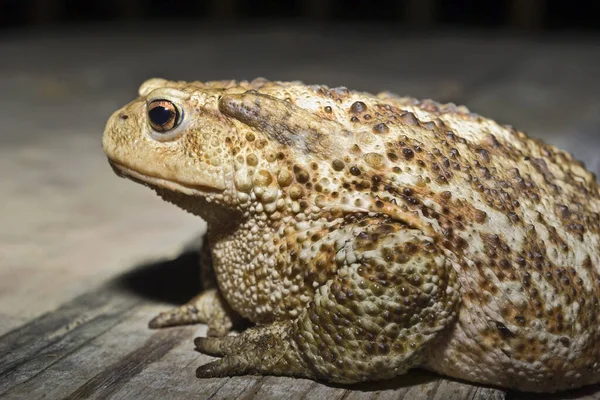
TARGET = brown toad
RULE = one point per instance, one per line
(365, 235)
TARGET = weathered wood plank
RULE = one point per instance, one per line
(239, 387)
(27, 351)
(74, 369)
(115, 376)
(453, 390)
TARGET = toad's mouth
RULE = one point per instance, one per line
(156, 182)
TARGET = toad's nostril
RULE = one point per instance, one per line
(123, 116)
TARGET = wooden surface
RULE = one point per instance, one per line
(86, 259)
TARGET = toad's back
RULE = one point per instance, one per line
(522, 220)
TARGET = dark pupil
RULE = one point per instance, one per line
(160, 115)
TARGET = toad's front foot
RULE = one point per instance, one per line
(209, 307)
(258, 350)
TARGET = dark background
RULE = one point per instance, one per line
(533, 64)
(524, 14)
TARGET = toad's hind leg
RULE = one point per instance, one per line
(208, 307)
(393, 293)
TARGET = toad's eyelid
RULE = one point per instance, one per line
(167, 94)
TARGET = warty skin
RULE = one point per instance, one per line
(365, 235)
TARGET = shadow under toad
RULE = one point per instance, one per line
(586, 392)
(172, 281)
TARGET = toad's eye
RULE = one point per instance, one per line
(163, 115)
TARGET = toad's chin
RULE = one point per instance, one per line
(161, 183)
(200, 200)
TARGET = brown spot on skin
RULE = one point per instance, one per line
(381, 128)
(587, 262)
(358, 107)
(356, 149)
(491, 141)
(484, 156)
(429, 125)
(504, 331)
(337, 165)
(407, 153)
(446, 195)
(328, 109)
(302, 176)
(355, 171)
(480, 216)
(513, 217)
(409, 119)
(563, 211)
(542, 167)
(252, 160)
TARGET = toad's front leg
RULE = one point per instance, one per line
(208, 307)
(394, 292)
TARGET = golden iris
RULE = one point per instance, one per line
(163, 115)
